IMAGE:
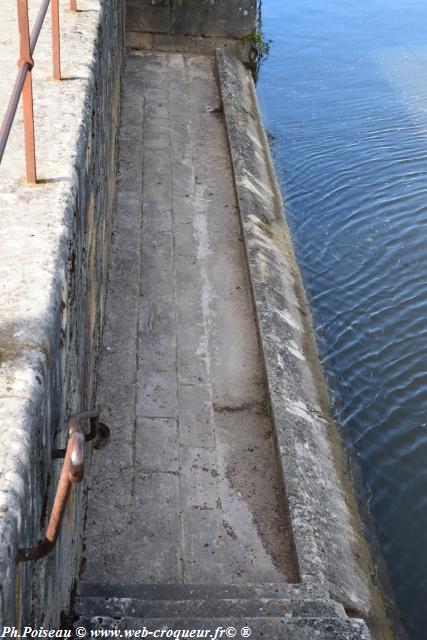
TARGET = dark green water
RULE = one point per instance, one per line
(344, 95)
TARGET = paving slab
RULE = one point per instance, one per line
(182, 372)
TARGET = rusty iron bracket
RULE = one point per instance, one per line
(72, 473)
(98, 430)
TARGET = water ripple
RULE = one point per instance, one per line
(345, 97)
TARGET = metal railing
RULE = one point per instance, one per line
(72, 473)
(24, 83)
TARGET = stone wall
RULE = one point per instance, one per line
(192, 25)
(54, 248)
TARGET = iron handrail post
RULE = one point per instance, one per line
(26, 64)
(23, 83)
(56, 46)
(38, 23)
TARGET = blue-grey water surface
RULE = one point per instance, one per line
(344, 95)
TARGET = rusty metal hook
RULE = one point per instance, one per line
(72, 473)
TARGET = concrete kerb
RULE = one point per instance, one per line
(53, 259)
(329, 543)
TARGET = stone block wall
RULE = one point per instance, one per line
(192, 25)
(49, 352)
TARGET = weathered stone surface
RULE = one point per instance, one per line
(272, 628)
(54, 245)
(227, 18)
(328, 538)
(192, 26)
(224, 18)
(293, 592)
(148, 18)
(237, 47)
(206, 502)
(204, 608)
(269, 610)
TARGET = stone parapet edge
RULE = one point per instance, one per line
(48, 356)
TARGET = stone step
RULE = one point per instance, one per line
(276, 628)
(180, 592)
(208, 608)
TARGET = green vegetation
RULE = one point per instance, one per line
(260, 45)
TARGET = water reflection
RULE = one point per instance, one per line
(344, 94)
